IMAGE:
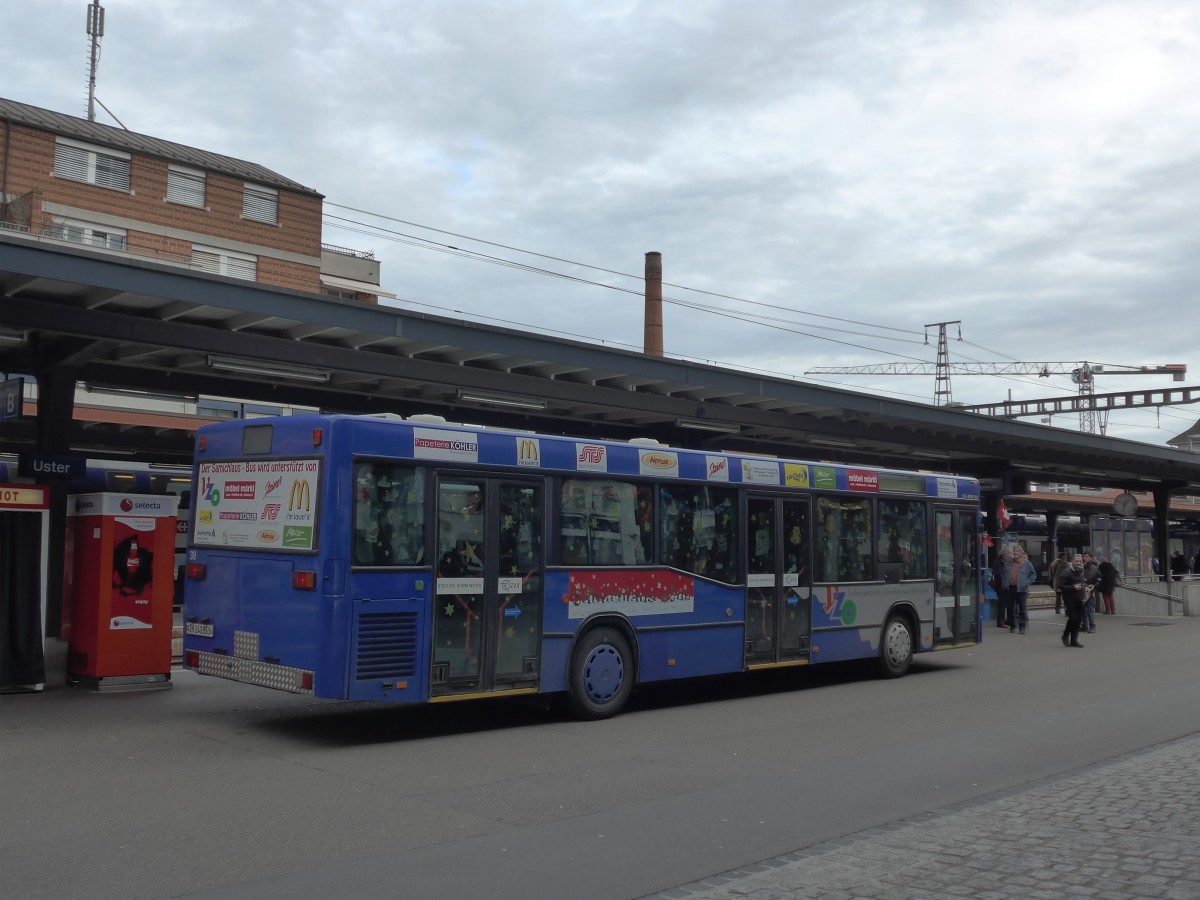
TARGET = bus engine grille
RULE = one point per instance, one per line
(387, 645)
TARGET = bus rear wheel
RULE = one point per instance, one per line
(601, 674)
(895, 647)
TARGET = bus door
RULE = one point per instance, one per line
(487, 603)
(957, 580)
(778, 581)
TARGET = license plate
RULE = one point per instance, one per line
(200, 629)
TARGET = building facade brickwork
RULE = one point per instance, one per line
(219, 227)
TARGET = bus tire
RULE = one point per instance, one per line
(602, 674)
(896, 647)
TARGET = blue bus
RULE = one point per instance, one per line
(414, 560)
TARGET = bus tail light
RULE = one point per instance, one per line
(317, 435)
(306, 681)
(191, 659)
(304, 581)
(203, 442)
(197, 571)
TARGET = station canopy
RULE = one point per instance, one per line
(114, 322)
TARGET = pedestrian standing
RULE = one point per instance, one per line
(1091, 577)
(1060, 562)
(1109, 576)
(1179, 565)
(999, 585)
(1196, 564)
(1019, 574)
(1072, 583)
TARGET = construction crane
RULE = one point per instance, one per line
(1082, 373)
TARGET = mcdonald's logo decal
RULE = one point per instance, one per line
(300, 496)
(529, 452)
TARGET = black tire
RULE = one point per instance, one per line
(895, 647)
(602, 674)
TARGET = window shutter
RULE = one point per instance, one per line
(241, 268)
(206, 262)
(71, 162)
(260, 204)
(185, 187)
(112, 171)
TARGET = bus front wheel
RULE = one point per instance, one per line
(601, 674)
(896, 647)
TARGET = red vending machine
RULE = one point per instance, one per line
(121, 587)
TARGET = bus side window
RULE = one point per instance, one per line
(699, 530)
(606, 523)
(389, 515)
(843, 551)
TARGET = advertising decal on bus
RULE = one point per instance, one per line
(795, 475)
(658, 462)
(756, 471)
(591, 457)
(716, 468)
(429, 443)
(630, 593)
(266, 504)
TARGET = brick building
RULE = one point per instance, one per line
(67, 178)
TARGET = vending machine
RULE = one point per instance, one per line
(121, 583)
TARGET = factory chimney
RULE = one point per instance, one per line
(653, 339)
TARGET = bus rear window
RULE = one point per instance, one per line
(256, 439)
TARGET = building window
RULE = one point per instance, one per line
(185, 186)
(224, 262)
(93, 165)
(260, 204)
(87, 233)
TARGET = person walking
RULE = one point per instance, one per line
(1019, 573)
(1179, 565)
(1060, 562)
(999, 585)
(1071, 579)
(1109, 576)
(1091, 577)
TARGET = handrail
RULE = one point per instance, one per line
(1138, 589)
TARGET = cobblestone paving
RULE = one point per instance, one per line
(1125, 829)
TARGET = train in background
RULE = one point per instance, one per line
(126, 477)
(1126, 543)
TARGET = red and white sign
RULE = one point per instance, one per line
(860, 480)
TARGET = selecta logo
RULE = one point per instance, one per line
(126, 505)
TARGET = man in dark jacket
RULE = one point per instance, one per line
(1060, 563)
(1072, 584)
(1002, 559)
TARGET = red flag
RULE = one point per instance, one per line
(1004, 519)
(986, 540)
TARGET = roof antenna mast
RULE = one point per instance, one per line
(95, 29)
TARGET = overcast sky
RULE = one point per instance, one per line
(858, 169)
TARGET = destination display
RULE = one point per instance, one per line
(268, 504)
